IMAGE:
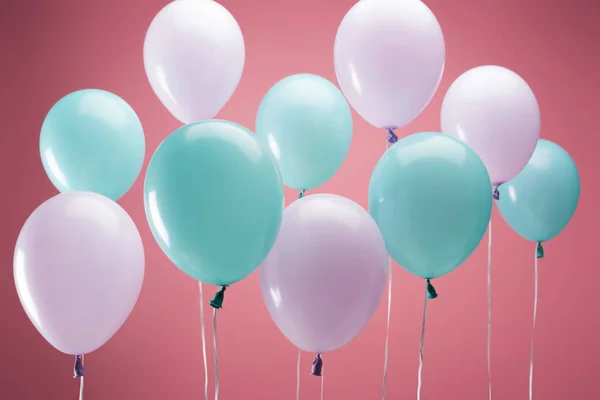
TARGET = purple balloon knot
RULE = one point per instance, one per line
(431, 293)
(78, 370)
(317, 366)
(392, 138)
(496, 193)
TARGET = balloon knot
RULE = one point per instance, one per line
(301, 195)
(317, 366)
(496, 193)
(431, 293)
(217, 301)
(392, 138)
(540, 250)
(78, 370)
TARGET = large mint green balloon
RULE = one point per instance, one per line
(93, 141)
(540, 201)
(432, 199)
(214, 200)
(306, 122)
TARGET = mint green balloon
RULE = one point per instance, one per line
(540, 201)
(92, 141)
(214, 200)
(431, 196)
(307, 123)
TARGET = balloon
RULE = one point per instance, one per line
(92, 140)
(389, 58)
(432, 199)
(306, 122)
(194, 56)
(214, 200)
(78, 267)
(541, 200)
(495, 112)
(325, 276)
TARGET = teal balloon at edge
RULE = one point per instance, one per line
(92, 140)
(431, 196)
(214, 200)
(540, 201)
(307, 124)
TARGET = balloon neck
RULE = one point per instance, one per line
(317, 366)
(301, 195)
(496, 193)
(78, 370)
(540, 250)
(391, 137)
(431, 293)
(217, 301)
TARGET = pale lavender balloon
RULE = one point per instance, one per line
(495, 112)
(324, 277)
(78, 268)
(389, 59)
(194, 57)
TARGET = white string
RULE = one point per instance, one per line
(387, 330)
(298, 375)
(420, 374)
(216, 357)
(489, 327)
(203, 341)
(535, 304)
(322, 381)
(81, 383)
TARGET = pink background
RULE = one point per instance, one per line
(54, 47)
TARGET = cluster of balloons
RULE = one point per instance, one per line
(213, 190)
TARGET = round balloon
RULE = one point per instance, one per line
(78, 268)
(325, 276)
(432, 199)
(214, 200)
(194, 56)
(541, 200)
(494, 111)
(92, 140)
(306, 122)
(389, 58)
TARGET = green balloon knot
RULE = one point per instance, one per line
(431, 293)
(217, 301)
(301, 195)
(540, 250)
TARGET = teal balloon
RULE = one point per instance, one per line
(431, 196)
(214, 201)
(307, 124)
(93, 141)
(540, 201)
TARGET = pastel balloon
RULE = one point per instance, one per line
(494, 111)
(432, 199)
(325, 276)
(541, 200)
(194, 56)
(389, 58)
(92, 140)
(307, 124)
(78, 268)
(214, 200)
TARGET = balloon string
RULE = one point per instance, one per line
(81, 383)
(420, 373)
(489, 327)
(322, 382)
(387, 329)
(535, 305)
(298, 375)
(203, 341)
(216, 357)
